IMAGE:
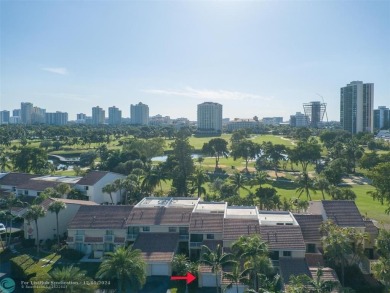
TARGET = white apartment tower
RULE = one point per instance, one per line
(98, 115)
(139, 114)
(26, 110)
(356, 107)
(209, 117)
(114, 116)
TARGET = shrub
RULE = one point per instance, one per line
(26, 243)
(71, 254)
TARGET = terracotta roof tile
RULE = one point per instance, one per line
(328, 274)
(343, 212)
(292, 267)
(234, 228)
(206, 222)
(16, 179)
(92, 177)
(310, 226)
(160, 216)
(314, 259)
(157, 247)
(101, 217)
(284, 237)
(39, 185)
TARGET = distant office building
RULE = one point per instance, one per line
(315, 111)
(16, 113)
(81, 116)
(98, 115)
(15, 120)
(139, 114)
(299, 120)
(209, 118)
(57, 118)
(238, 123)
(356, 107)
(4, 117)
(38, 115)
(26, 110)
(114, 116)
(272, 120)
(180, 122)
(159, 120)
(382, 118)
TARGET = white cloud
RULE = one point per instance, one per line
(203, 94)
(57, 70)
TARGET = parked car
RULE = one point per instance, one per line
(2, 228)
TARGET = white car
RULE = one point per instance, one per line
(2, 228)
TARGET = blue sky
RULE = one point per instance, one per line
(261, 58)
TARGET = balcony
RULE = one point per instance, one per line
(109, 238)
(184, 237)
(79, 238)
(131, 237)
(195, 244)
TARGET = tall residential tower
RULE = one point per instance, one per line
(139, 114)
(209, 118)
(356, 107)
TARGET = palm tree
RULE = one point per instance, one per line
(119, 186)
(63, 189)
(153, 178)
(216, 260)
(4, 162)
(320, 183)
(126, 266)
(76, 281)
(198, 179)
(260, 178)
(237, 276)
(382, 272)
(238, 182)
(34, 213)
(56, 207)
(303, 283)
(254, 252)
(109, 188)
(305, 185)
(181, 264)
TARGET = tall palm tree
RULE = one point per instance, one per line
(56, 207)
(260, 178)
(198, 178)
(303, 283)
(63, 189)
(75, 279)
(237, 276)
(238, 182)
(254, 252)
(33, 214)
(153, 178)
(305, 185)
(216, 260)
(322, 184)
(5, 162)
(109, 188)
(126, 266)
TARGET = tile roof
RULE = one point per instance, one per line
(157, 247)
(160, 216)
(39, 185)
(328, 274)
(234, 228)
(310, 226)
(16, 179)
(45, 204)
(371, 228)
(206, 222)
(92, 177)
(343, 212)
(283, 237)
(292, 267)
(314, 259)
(101, 217)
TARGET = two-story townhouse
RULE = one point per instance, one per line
(94, 181)
(98, 229)
(9, 182)
(48, 224)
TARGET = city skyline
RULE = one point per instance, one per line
(255, 58)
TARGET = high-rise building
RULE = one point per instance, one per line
(57, 118)
(382, 118)
(98, 115)
(16, 113)
(139, 114)
(356, 107)
(114, 116)
(299, 120)
(4, 117)
(38, 115)
(315, 111)
(209, 118)
(26, 110)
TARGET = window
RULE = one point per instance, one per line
(13, 188)
(109, 232)
(274, 255)
(183, 230)
(26, 192)
(172, 229)
(311, 248)
(86, 187)
(133, 230)
(286, 253)
(210, 236)
(80, 232)
(146, 229)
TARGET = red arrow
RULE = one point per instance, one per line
(189, 278)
